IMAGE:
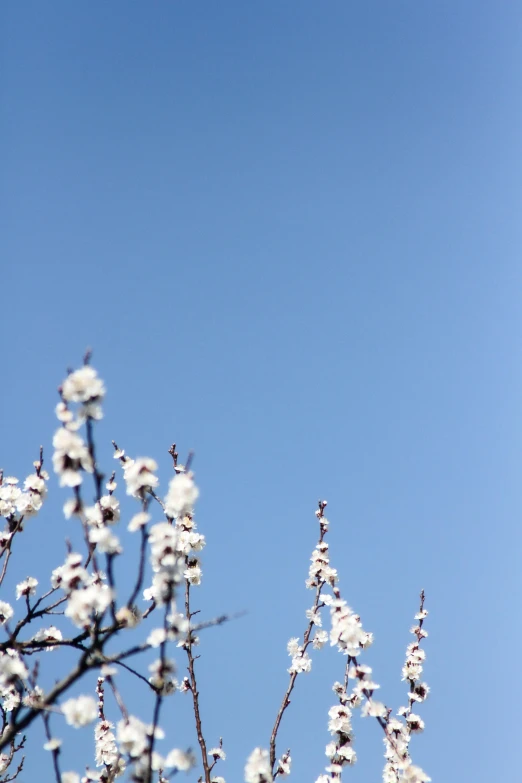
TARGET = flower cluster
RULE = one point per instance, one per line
(71, 456)
(139, 475)
(16, 504)
(181, 496)
(340, 751)
(80, 711)
(83, 594)
(258, 768)
(346, 631)
(398, 734)
(167, 563)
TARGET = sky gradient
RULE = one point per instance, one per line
(290, 232)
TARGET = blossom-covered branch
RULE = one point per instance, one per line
(87, 610)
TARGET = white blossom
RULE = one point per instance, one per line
(320, 570)
(413, 774)
(86, 602)
(53, 744)
(178, 625)
(110, 507)
(181, 496)
(347, 632)
(293, 646)
(167, 564)
(138, 520)
(128, 617)
(105, 744)
(80, 711)
(105, 540)
(284, 764)
(139, 475)
(347, 754)
(340, 720)
(375, 709)
(12, 668)
(70, 457)
(420, 692)
(5, 537)
(6, 612)
(71, 574)
(320, 639)
(180, 760)
(193, 573)
(9, 493)
(301, 663)
(10, 698)
(27, 587)
(70, 777)
(314, 616)
(83, 385)
(63, 413)
(257, 769)
(132, 735)
(415, 723)
(161, 676)
(156, 637)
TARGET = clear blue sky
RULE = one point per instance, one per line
(290, 231)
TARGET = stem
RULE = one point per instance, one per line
(194, 687)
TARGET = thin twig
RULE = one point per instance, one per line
(194, 687)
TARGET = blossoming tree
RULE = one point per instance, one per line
(106, 627)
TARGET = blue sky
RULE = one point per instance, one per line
(290, 233)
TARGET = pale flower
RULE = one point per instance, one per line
(193, 573)
(340, 720)
(313, 616)
(413, 774)
(415, 723)
(257, 769)
(180, 760)
(320, 639)
(70, 777)
(9, 494)
(105, 743)
(80, 711)
(105, 540)
(86, 602)
(27, 587)
(347, 753)
(301, 663)
(133, 734)
(10, 698)
(375, 709)
(293, 646)
(284, 764)
(70, 457)
(6, 612)
(111, 509)
(71, 574)
(139, 476)
(156, 637)
(181, 495)
(83, 385)
(138, 521)
(52, 744)
(12, 668)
